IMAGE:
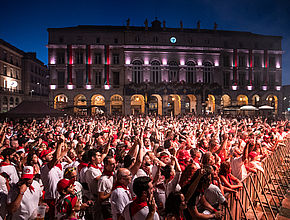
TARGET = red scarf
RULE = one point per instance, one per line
(82, 165)
(93, 165)
(3, 164)
(59, 166)
(136, 206)
(108, 173)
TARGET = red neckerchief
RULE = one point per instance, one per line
(136, 206)
(94, 166)
(31, 188)
(59, 166)
(82, 165)
(108, 173)
(3, 164)
(119, 185)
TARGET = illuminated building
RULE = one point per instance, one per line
(129, 69)
(17, 69)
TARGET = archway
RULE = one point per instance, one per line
(174, 104)
(272, 101)
(190, 103)
(225, 101)
(60, 101)
(98, 103)
(155, 104)
(137, 104)
(210, 107)
(242, 100)
(116, 104)
(256, 100)
(80, 104)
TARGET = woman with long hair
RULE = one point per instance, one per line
(174, 206)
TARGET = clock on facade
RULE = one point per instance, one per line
(173, 40)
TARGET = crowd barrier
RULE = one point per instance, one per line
(262, 192)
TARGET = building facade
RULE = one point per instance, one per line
(15, 83)
(129, 70)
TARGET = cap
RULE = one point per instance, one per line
(64, 183)
(27, 173)
(45, 152)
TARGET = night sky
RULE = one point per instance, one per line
(24, 23)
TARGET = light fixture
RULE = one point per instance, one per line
(52, 87)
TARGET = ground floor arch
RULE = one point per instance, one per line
(210, 104)
(60, 101)
(137, 104)
(155, 104)
(116, 104)
(190, 103)
(226, 101)
(97, 104)
(80, 104)
(256, 99)
(174, 104)
(272, 101)
(242, 100)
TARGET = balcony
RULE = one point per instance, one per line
(11, 90)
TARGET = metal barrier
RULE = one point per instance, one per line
(263, 192)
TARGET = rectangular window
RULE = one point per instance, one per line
(116, 78)
(257, 79)
(226, 59)
(98, 77)
(79, 78)
(60, 79)
(226, 80)
(115, 58)
(257, 61)
(5, 71)
(98, 58)
(60, 58)
(272, 61)
(79, 57)
(242, 60)
(272, 79)
(242, 79)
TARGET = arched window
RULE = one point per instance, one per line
(173, 74)
(190, 72)
(155, 75)
(207, 72)
(137, 73)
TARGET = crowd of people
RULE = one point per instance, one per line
(129, 167)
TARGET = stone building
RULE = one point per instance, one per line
(129, 69)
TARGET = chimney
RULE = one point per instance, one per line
(128, 23)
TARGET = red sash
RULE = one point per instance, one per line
(3, 164)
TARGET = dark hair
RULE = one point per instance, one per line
(128, 160)
(140, 185)
(7, 152)
(206, 158)
(106, 159)
(29, 157)
(225, 166)
(193, 152)
(85, 157)
(92, 153)
(172, 204)
(165, 171)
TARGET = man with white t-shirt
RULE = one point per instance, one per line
(143, 207)
(6, 166)
(24, 197)
(237, 163)
(121, 195)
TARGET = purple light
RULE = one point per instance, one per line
(128, 61)
(146, 61)
(52, 87)
(278, 88)
(264, 88)
(278, 65)
(182, 62)
(234, 87)
(52, 60)
(250, 88)
(107, 87)
(164, 61)
(216, 63)
(70, 87)
(88, 87)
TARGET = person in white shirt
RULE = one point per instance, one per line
(24, 197)
(237, 164)
(139, 208)
(121, 194)
(4, 188)
(6, 166)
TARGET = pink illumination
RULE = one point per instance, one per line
(128, 61)
(278, 65)
(164, 61)
(250, 88)
(182, 62)
(88, 87)
(234, 87)
(278, 88)
(264, 88)
(216, 63)
(199, 62)
(107, 87)
(52, 87)
(146, 61)
(70, 87)
(52, 60)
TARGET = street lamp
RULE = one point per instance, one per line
(40, 92)
(31, 92)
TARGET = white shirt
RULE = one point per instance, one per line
(90, 176)
(238, 168)
(11, 171)
(214, 195)
(3, 197)
(29, 201)
(105, 184)
(140, 215)
(119, 199)
(50, 178)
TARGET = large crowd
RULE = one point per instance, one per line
(129, 167)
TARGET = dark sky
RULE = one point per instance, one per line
(24, 23)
